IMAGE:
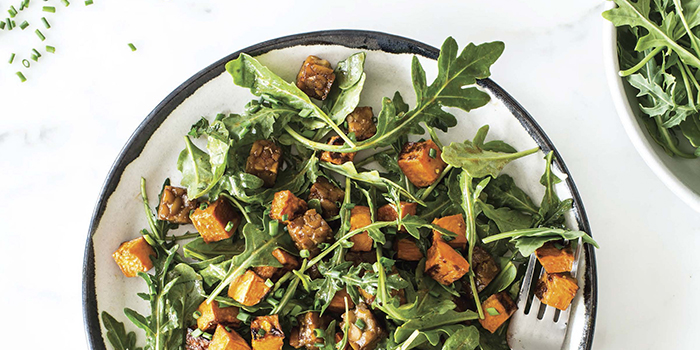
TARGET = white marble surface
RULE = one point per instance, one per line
(61, 130)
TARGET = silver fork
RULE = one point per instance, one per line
(542, 327)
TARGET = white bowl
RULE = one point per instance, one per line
(682, 176)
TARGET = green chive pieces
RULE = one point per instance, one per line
(46, 22)
(261, 332)
(49, 9)
(206, 335)
(197, 314)
(229, 226)
(88, 2)
(12, 58)
(274, 228)
(50, 49)
(318, 332)
(132, 47)
(304, 253)
(12, 11)
(360, 324)
(36, 53)
(9, 23)
(432, 153)
(21, 77)
(492, 311)
(65, 2)
(196, 333)
(243, 316)
(40, 35)
(35, 57)
(26, 63)
(285, 217)
(24, 25)
(2, 24)
(269, 283)
(203, 206)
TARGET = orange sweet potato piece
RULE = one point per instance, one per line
(338, 302)
(286, 203)
(417, 164)
(360, 216)
(212, 314)
(134, 256)
(555, 260)
(212, 221)
(288, 261)
(267, 333)
(454, 224)
(315, 77)
(225, 340)
(174, 205)
(337, 157)
(556, 289)
(388, 212)
(360, 122)
(444, 264)
(406, 249)
(328, 194)
(497, 310)
(264, 160)
(248, 288)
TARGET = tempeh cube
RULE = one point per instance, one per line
(328, 194)
(360, 122)
(315, 77)
(264, 160)
(337, 158)
(174, 205)
(309, 230)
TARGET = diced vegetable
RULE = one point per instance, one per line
(421, 165)
(213, 220)
(499, 307)
(288, 261)
(212, 314)
(365, 337)
(225, 340)
(174, 205)
(554, 259)
(444, 264)
(263, 161)
(266, 333)
(360, 216)
(134, 256)
(485, 268)
(309, 230)
(328, 194)
(305, 335)
(406, 249)
(248, 288)
(388, 212)
(287, 207)
(556, 289)
(454, 224)
(360, 122)
(337, 157)
(338, 302)
(315, 77)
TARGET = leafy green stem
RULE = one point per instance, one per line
(425, 194)
(434, 136)
(238, 204)
(666, 135)
(470, 213)
(640, 65)
(693, 38)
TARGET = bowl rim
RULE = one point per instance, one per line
(635, 132)
(358, 39)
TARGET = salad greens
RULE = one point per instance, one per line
(659, 52)
(416, 310)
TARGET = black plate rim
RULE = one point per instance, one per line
(359, 39)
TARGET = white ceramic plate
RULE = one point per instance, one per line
(682, 176)
(153, 149)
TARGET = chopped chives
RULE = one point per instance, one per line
(36, 53)
(35, 58)
(196, 333)
(274, 227)
(65, 2)
(229, 226)
(269, 283)
(197, 314)
(26, 63)
(492, 311)
(206, 335)
(49, 9)
(12, 58)
(304, 253)
(203, 206)
(261, 332)
(132, 47)
(50, 49)
(434, 294)
(227, 328)
(21, 76)
(285, 217)
(432, 153)
(9, 24)
(12, 11)
(2, 24)
(40, 35)
(243, 316)
(24, 25)
(360, 324)
(88, 2)
(46, 22)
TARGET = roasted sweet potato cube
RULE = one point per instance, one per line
(248, 288)
(195, 343)
(406, 249)
(134, 256)
(444, 264)
(485, 268)
(555, 260)
(225, 340)
(266, 333)
(264, 160)
(216, 222)
(212, 314)
(421, 165)
(174, 205)
(315, 77)
(338, 302)
(305, 333)
(337, 157)
(497, 310)
(309, 230)
(288, 261)
(328, 194)
(367, 337)
(360, 122)
(287, 207)
(556, 289)
(388, 212)
(456, 225)
(360, 216)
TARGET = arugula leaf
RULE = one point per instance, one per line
(528, 240)
(505, 218)
(505, 278)
(477, 161)
(117, 335)
(201, 171)
(201, 250)
(550, 201)
(464, 339)
(349, 81)
(503, 192)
